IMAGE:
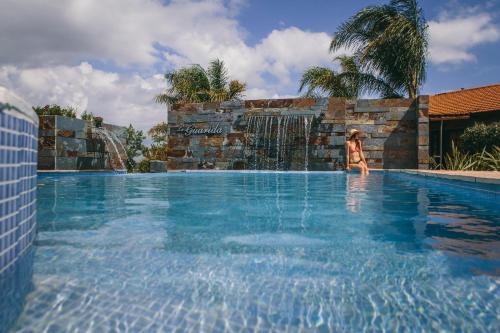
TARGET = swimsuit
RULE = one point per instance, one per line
(354, 157)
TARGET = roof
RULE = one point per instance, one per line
(463, 102)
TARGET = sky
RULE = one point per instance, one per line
(108, 57)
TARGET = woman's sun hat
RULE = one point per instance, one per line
(352, 131)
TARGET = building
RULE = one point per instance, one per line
(451, 113)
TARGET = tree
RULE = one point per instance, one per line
(390, 40)
(350, 82)
(134, 146)
(194, 84)
(55, 110)
(159, 148)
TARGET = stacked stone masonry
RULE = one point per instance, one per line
(393, 130)
(71, 144)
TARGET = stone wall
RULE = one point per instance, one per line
(390, 130)
(72, 144)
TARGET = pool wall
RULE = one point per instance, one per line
(395, 132)
(18, 169)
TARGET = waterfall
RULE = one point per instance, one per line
(110, 140)
(279, 142)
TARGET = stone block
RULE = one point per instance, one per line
(158, 166)
(364, 128)
(44, 132)
(423, 140)
(70, 146)
(46, 162)
(176, 153)
(374, 154)
(70, 124)
(66, 163)
(303, 102)
(337, 140)
(336, 108)
(66, 133)
(232, 104)
(423, 99)
(422, 120)
(380, 135)
(396, 114)
(47, 122)
(423, 129)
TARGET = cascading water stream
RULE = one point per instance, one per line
(105, 135)
(278, 141)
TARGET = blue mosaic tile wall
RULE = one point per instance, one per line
(18, 168)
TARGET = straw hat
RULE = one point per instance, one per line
(352, 131)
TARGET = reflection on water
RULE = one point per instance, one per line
(262, 252)
(420, 218)
(15, 284)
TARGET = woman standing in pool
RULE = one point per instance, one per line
(354, 153)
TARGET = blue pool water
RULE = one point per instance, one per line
(260, 252)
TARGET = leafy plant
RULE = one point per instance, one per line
(55, 110)
(194, 84)
(457, 160)
(390, 41)
(143, 166)
(489, 161)
(159, 148)
(480, 137)
(134, 146)
(89, 116)
(98, 121)
(350, 82)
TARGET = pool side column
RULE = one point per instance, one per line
(18, 178)
(423, 132)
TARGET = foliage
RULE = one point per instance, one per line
(134, 146)
(350, 82)
(98, 121)
(89, 116)
(480, 137)
(457, 160)
(390, 40)
(489, 161)
(482, 161)
(194, 84)
(159, 148)
(55, 110)
(158, 152)
(159, 132)
(143, 166)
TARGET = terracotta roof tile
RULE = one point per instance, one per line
(466, 101)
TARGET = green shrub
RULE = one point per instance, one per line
(458, 160)
(143, 166)
(134, 146)
(479, 137)
(55, 110)
(87, 116)
(483, 161)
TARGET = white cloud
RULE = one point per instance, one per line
(46, 47)
(120, 99)
(452, 37)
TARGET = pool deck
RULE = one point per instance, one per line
(487, 177)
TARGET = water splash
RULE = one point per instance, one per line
(110, 139)
(288, 134)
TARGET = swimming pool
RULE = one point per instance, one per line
(262, 252)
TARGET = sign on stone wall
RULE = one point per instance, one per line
(191, 130)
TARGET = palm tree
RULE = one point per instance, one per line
(390, 40)
(350, 82)
(194, 84)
